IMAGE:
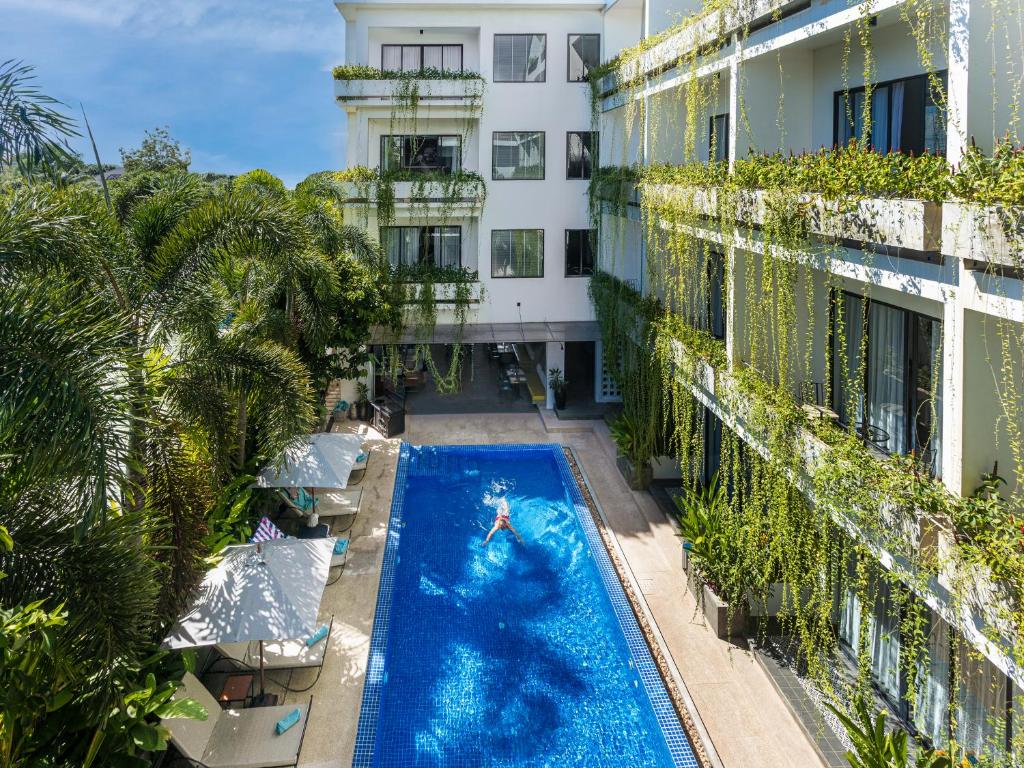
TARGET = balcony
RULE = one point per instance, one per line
(984, 236)
(914, 225)
(358, 86)
(460, 195)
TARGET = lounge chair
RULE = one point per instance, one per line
(340, 503)
(279, 655)
(266, 531)
(236, 738)
(359, 467)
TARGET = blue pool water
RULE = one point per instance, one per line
(509, 655)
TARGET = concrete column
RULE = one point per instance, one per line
(953, 390)
(554, 357)
(733, 296)
(734, 102)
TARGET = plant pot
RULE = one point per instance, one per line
(560, 400)
(363, 410)
(638, 477)
(724, 620)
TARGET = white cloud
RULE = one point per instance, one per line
(310, 26)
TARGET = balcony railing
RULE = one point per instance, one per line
(356, 84)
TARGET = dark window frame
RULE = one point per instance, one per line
(911, 361)
(595, 145)
(421, 46)
(715, 261)
(494, 47)
(839, 110)
(542, 254)
(424, 228)
(711, 134)
(385, 137)
(589, 238)
(544, 164)
(568, 55)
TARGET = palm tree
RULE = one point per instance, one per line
(33, 130)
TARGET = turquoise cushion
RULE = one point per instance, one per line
(286, 722)
(341, 406)
(317, 636)
(340, 546)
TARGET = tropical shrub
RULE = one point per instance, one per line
(364, 72)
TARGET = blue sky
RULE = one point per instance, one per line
(242, 83)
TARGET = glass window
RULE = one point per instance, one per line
(421, 153)
(906, 116)
(579, 253)
(517, 155)
(517, 253)
(931, 711)
(716, 299)
(422, 246)
(981, 707)
(718, 138)
(584, 55)
(416, 58)
(520, 58)
(901, 392)
(581, 149)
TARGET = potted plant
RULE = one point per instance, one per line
(558, 386)
(708, 558)
(362, 401)
(632, 448)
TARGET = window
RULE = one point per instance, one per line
(517, 253)
(892, 396)
(520, 58)
(517, 155)
(718, 138)
(579, 252)
(422, 246)
(421, 153)
(584, 55)
(904, 117)
(416, 58)
(580, 151)
(716, 302)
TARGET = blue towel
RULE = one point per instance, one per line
(317, 636)
(286, 722)
(360, 458)
(340, 546)
(305, 501)
(341, 407)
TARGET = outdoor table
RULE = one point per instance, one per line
(236, 689)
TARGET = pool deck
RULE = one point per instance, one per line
(748, 722)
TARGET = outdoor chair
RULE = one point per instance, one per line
(340, 503)
(302, 506)
(359, 468)
(278, 655)
(236, 738)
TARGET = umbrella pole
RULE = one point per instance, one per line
(262, 692)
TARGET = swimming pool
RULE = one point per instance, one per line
(512, 654)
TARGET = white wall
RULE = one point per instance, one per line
(555, 107)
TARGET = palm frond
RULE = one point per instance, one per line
(34, 132)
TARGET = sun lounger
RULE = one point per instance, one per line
(279, 655)
(236, 738)
(359, 467)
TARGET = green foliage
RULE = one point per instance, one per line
(994, 180)
(875, 746)
(557, 381)
(159, 152)
(363, 72)
(709, 537)
(34, 131)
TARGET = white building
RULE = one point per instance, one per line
(525, 128)
(774, 76)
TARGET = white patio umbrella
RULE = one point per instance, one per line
(267, 591)
(323, 460)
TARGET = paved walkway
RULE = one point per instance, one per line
(744, 715)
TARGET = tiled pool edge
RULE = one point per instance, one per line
(369, 707)
(682, 739)
(671, 677)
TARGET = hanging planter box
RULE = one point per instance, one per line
(459, 93)
(983, 235)
(912, 224)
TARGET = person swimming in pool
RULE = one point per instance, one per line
(502, 520)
